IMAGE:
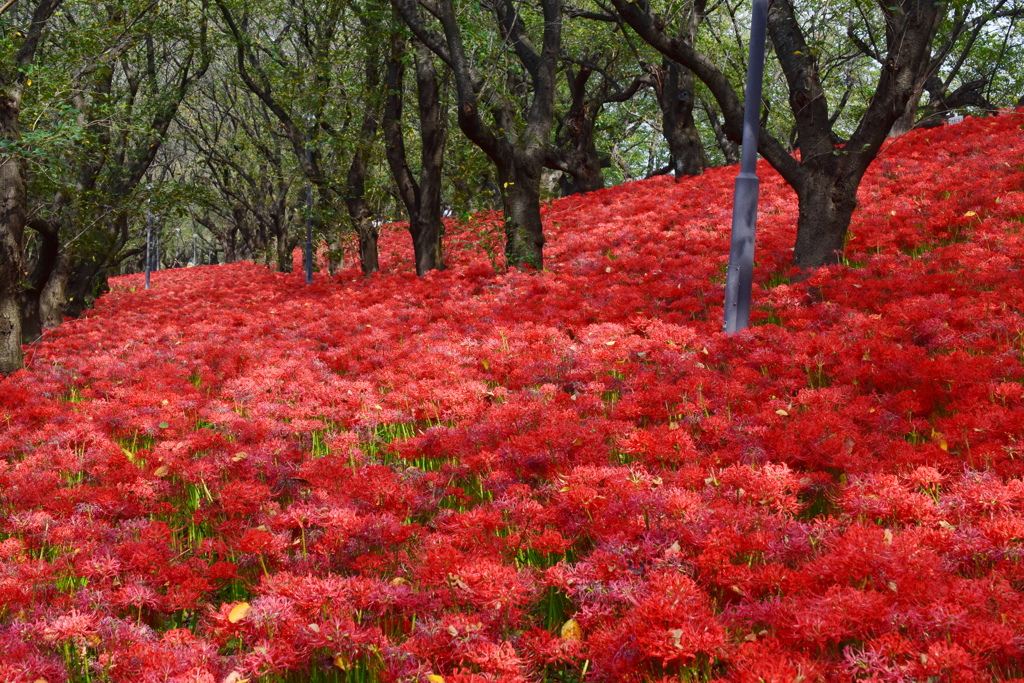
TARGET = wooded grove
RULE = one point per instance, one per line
(222, 126)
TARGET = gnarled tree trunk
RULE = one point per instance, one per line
(827, 190)
(675, 88)
(43, 268)
(422, 200)
(577, 155)
(12, 234)
(358, 208)
(524, 231)
(54, 295)
(826, 200)
(516, 141)
(12, 188)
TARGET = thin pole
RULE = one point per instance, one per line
(309, 214)
(149, 242)
(740, 276)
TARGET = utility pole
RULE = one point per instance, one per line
(740, 276)
(149, 242)
(309, 204)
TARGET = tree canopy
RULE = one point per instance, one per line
(223, 116)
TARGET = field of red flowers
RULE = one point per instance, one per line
(566, 476)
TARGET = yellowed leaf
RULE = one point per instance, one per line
(971, 213)
(342, 663)
(434, 678)
(239, 612)
(239, 456)
(571, 630)
(160, 471)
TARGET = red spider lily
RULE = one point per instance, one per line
(491, 476)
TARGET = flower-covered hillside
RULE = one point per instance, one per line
(563, 476)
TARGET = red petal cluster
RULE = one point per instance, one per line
(558, 476)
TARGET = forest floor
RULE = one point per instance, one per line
(564, 476)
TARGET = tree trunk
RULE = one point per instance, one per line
(426, 244)
(368, 256)
(524, 232)
(228, 242)
(516, 150)
(574, 152)
(905, 123)
(581, 167)
(825, 177)
(240, 233)
(10, 334)
(31, 328)
(12, 233)
(283, 243)
(429, 227)
(581, 161)
(54, 295)
(13, 200)
(826, 204)
(674, 86)
(355, 196)
(284, 251)
(86, 281)
(422, 200)
(730, 150)
(45, 260)
(585, 177)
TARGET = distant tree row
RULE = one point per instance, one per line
(215, 121)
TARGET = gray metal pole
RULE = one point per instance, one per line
(740, 276)
(309, 215)
(149, 242)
